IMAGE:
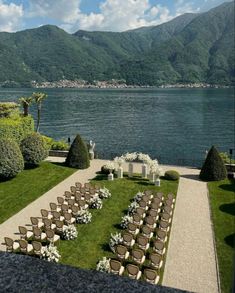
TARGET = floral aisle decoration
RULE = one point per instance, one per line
(110, 166)
(103, 265)
(50, 253)
(132, 208)
(83, 217)
(104, 193)
(96, 203)
(115, 240)
(138, 196)
(125, 221)
(69, 232)
(119, 161)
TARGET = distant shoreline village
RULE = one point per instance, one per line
(110, 84)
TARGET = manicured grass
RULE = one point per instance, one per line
(222, 204)
(93, 238)
(27, 186)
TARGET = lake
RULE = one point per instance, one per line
(176, 126)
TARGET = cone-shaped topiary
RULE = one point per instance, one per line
(11, 159)
(213, 168)
(78, 156)
(33, 149)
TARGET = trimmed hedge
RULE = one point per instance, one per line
(172, 175)
(213, 168)
(78, 156)
(33, 149)
(16, 128)
(11, 159)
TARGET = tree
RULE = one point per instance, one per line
(78, 156)
(25, 102)
(213, 168)
(39, 97)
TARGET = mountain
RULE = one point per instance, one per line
(189, 48)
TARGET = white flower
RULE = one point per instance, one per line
(96, 203)
(130, 156)
(109, 165)
(119, 161)
(69, 232)
(115, 240)
(138, 196)
(103, 265)
(104, 193)
(83, 217)
(50, 253)
(132, 207)
(143, 157)
(125, 221)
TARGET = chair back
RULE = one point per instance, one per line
(73, 189)
(44, 213)
(71, 202)
(37, 233)
(64, 207)
(56, 215)
(47, 223)
(50, 235)
(67, 194)
(23, 245)
(53, 206)
(9, 243)
(60, 200)
(78, 185)
(37, 247)
(23, 231)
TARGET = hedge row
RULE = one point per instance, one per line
(16, 128)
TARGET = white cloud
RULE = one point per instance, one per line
(11, 16)
(120, 15)
(62, 10)
(183, 6)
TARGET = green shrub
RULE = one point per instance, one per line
(33, 149)
(60, 145)
(16, 128)
(8, 108)
(225, 157)
(172, 175)
(78, 156)
(105, 171)
(11, 159)
(213, 168)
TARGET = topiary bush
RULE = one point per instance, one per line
(172, 175)
(213, 168)
(105, 171)
(78, 156)
(33, 149)
(11, 159)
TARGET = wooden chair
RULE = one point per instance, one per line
(151, 276)
(138, 256)
(54, 207)
(122, 252)
(25, 247)
(116, 267)
(159, 247)
(48, 224)
(142, 242)
(73, 190)
(36, 223)
(46, 214)
(37, 248)
(140, 212)
(24, 233)
(133, 229)
(68, 219)
(155, 260)
(146, 231)
(78, 185)
(150, 222)
(164, 226)
(59, 226)
(51, 236)
(128, 239)
(57, 216)
(11, 245)
(133, 271)
(38, 234)
(161, 235)
(137, 220)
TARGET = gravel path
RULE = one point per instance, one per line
(190, 262)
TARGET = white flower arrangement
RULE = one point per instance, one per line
(69, 232)
(50, 253)
(125, 221)
(159, 172)
(109, 165)
(138, 196)
(103, 265)
(132, 208)
(104, 193)
(144, 157)
(130, 156)
(96, 203)
(83, 217)
(119, 160)
(115, 240)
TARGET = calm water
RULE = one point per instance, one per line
(176, 126)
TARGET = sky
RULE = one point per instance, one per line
(92, 15)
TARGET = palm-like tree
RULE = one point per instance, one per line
(39, 97)
(25, 102)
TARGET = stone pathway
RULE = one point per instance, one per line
(190, 263)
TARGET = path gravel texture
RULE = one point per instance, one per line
(190, 262)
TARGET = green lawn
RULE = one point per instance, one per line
(28, 185)
(93, 238)
(222, 201)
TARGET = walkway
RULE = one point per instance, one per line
(190, 262)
